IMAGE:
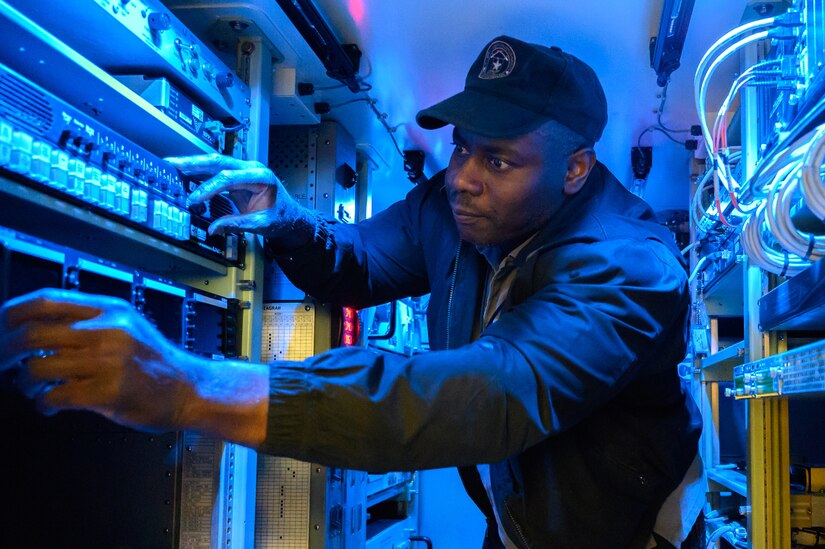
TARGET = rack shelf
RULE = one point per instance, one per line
(719, 366)
(44, 59)
(733, 480)
(797, 304)
(71, 225)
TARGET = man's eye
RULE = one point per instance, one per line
(498, 163)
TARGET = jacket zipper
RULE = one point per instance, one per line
(521, 537)
(452, 291)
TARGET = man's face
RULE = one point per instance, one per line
(501, 190)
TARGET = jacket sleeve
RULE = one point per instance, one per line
(543, 366)
(368, 263)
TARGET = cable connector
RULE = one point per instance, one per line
(305, 88)
(641, 160)
(782, 33)
(214, 127)
(791, 18)
(789, 68)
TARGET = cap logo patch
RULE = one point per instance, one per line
(499, 61)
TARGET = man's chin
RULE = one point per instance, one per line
(476, 239)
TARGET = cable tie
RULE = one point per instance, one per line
(786, 265)
(811, 244)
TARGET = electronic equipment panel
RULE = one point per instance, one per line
(179, 107)
(55, 148)
(83, 477)
(142, 37)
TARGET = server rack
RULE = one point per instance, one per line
(88, 203)
(757, 328)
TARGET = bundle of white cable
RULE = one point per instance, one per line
(703, 91)
(749, 74)
(713, 58)
(768, 235)
(813, 189)
(697, 208)
(763, 250)
(790, 155)
(778, 219)
(723, 163)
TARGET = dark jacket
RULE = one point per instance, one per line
(572, 395)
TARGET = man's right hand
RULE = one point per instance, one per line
(265, 206)
(75, 351)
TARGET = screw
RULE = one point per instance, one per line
(763, 8)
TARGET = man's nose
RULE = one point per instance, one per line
(466, 177)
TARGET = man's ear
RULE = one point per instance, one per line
(579, 165)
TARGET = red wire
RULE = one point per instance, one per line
(721, 215)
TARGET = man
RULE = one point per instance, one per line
(557, 317)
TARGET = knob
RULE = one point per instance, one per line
(159, 21)
(65, 137)
(225, 80)
(108, 153)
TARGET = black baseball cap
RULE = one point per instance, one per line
(514, 87)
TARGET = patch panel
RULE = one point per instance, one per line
(800, 371)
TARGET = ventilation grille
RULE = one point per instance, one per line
(220, 206)
(289, 149)
(24, 105)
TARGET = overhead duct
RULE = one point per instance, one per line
(340, 60)
(666, 47)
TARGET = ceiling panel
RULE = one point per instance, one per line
(416, 52)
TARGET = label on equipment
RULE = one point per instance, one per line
(200, 480)
(288, 331)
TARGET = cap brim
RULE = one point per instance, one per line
(481, 113)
